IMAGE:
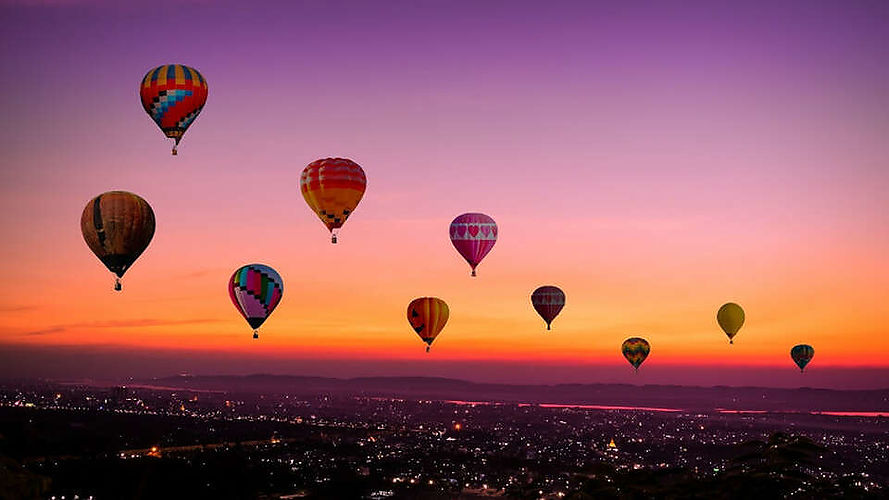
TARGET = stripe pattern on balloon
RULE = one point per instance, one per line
(117, 226)
(173, 95)
(333, 187)
(427, 316)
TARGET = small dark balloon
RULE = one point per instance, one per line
(802, 354)
(635, 349)
(548, 301)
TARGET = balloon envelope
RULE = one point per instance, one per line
(333, 187)
(635, 349)
(256, 290)
(173, 95)
(117, 226)
(801, 355)
(427, 316)
(730, 318)
(548, 301)
(473, 235)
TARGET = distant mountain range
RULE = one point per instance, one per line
(655, 396)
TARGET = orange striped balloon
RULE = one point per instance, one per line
(427, 316)
(333, 187)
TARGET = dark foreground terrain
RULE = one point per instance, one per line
(118, 443)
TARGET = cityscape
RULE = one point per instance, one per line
(78, 441)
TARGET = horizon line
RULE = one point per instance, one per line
(67, 380)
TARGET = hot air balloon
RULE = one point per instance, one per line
(173, 95)
(333, 187)
(117, 226)
(548, 301)
(255, 289)
(730, 318)
(473, 235)
(427, 316)
(635, 349)
(801, 355)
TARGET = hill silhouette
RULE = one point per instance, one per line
(654, 396)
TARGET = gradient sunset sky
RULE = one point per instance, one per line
(652, 159)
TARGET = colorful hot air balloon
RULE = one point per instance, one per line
(801, 355)
(333, 187)
(730, 318)
(173, 95)
(117, 226)
(473, 235)
(427, 316)
(548, 301)
(255, 289)
(635, 349)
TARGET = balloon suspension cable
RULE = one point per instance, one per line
(256, 334)
(117, 286)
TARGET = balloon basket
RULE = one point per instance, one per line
(117, 285)
(428, 347)
(255, 334)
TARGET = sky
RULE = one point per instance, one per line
(653, 159)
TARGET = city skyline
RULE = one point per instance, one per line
(653, 161)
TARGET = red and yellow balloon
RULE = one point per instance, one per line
(333, 187)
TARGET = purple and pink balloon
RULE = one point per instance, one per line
(473, 235)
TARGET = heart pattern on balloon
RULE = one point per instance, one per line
(473, 235)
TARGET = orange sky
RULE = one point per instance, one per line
(348, 300)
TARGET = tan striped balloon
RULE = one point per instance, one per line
(117, 226)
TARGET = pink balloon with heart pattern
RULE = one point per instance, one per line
(473, 235)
